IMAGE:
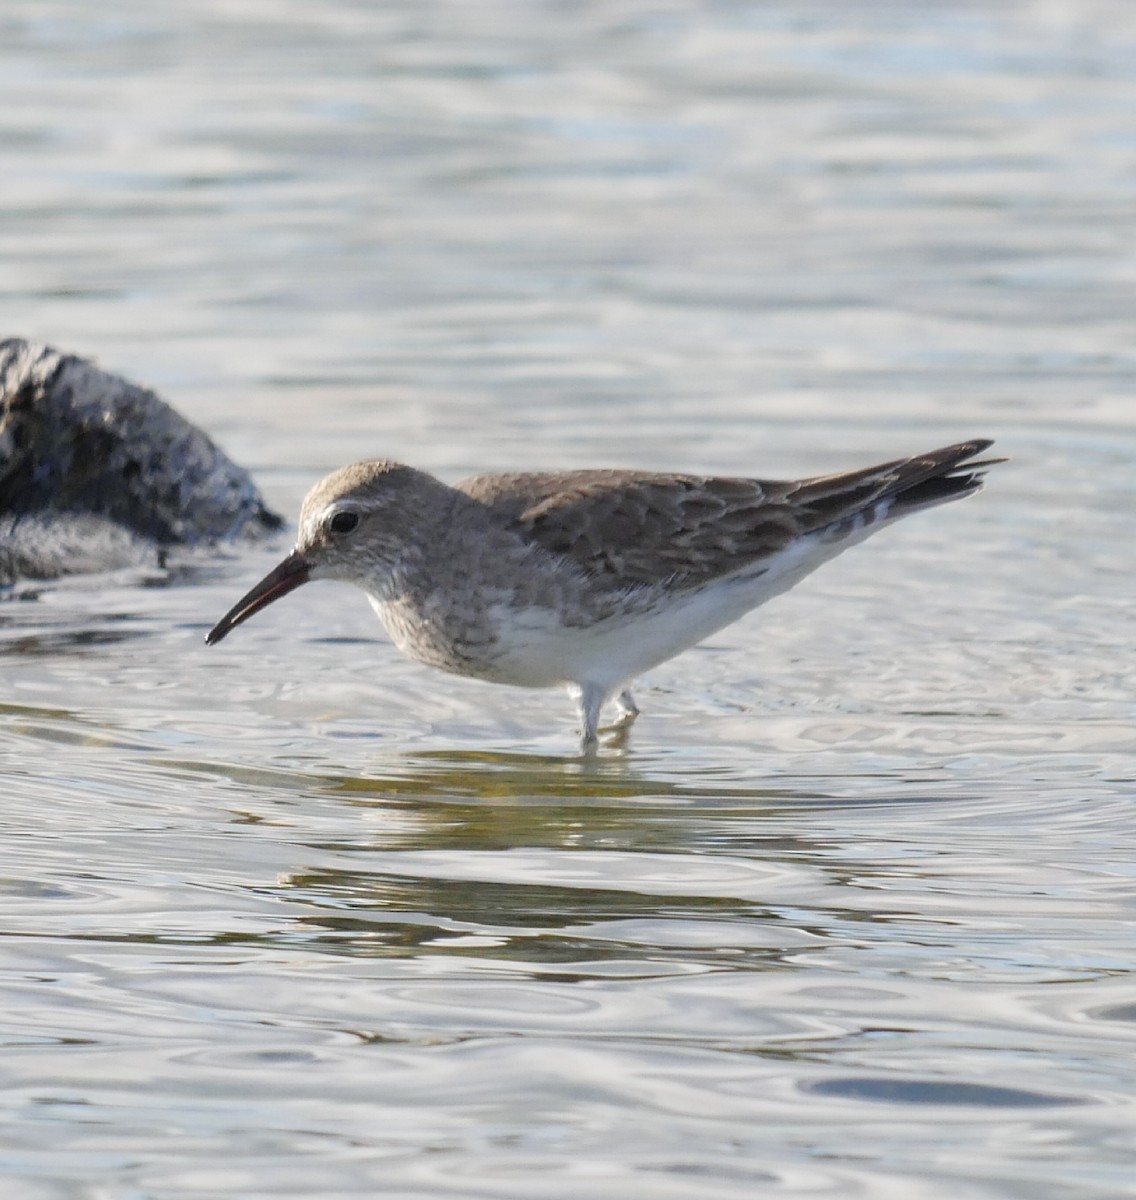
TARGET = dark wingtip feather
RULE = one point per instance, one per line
(942, 475)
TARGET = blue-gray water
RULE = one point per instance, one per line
(852, 915)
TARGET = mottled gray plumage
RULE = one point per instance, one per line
(647, 527)
(585, 578)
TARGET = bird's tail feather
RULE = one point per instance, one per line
(857, 499)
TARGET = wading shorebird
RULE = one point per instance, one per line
(585, 579)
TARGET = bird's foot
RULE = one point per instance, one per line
(619, 729)
(590, 701)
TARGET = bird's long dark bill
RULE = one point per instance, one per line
(281, 580)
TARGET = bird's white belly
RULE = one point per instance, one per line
(535, 648)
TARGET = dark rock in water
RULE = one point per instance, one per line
(96, 472)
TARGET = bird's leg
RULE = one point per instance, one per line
(589, 700)
(628, 709)
(626, 712)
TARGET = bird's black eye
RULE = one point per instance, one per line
(343, 522)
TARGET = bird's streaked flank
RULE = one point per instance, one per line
(585, 578)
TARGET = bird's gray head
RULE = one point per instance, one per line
(363, 521)
(363, 524)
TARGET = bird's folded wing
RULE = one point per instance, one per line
(641, 528)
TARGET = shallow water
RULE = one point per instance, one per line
(851, 914)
